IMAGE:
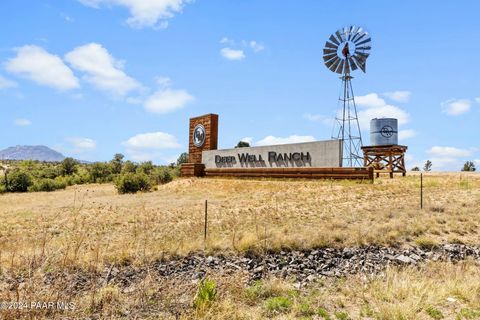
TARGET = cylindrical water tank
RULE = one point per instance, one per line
(383, 131)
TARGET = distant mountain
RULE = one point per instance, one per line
(40, 153)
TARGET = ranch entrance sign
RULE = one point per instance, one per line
(318, 159)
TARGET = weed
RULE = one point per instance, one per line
(206, 294)
(434, 313)
(323, 313)
(278, 304)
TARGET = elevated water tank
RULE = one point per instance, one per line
(383, 131)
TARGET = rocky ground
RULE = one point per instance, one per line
(302, 266)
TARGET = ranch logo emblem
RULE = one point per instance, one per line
(199, 135)
(386, 131)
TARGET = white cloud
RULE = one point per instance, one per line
(406, 134)
(371, 100)
(34, 63)
(449, 158)
(247, 139)
(7, 84)
(319, 118)
(398, 96)
(145, 13)
(22, 122)
(455, 107)
(163, 81)
(375, 107)
(101, 69)
(228, 41)
(153, 140)
(82, 144)
(167, 100)
(257, 47)
(232, 54)
(66, 17)
(450, 152)
(271, 140)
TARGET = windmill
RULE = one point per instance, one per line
(345, 51)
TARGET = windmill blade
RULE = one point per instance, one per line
(356, 35)
(335, 64)
(328, 51)
(363, 42)
(339, 36)
(361, 36)
(340, 66)
(360, 62)
(329, 56)
(352, 33)
(361, 55)
(363, 48)
(330, 45)
(364, 54)
(331, 62)
(334, 40)
(352, 64)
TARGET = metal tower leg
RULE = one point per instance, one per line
(347, 127)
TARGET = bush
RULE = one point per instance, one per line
(162, 176)
(207, 292)
(48, 185)
(2, 189)
(132, 182)
(18, 181)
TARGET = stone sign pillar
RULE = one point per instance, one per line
(203, 135)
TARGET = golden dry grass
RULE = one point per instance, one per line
(92, 224)
(84, 228)
(438, 288)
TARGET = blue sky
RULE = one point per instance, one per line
(94, 77)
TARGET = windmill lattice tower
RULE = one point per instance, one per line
(345, 51)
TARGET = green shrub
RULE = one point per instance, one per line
(207, 292)
(19, 181)
(48, 185)
(132, 183)
(3, 189)
(162, 176)
(278, 304)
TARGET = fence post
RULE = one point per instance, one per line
(421, 190)
(206, 214)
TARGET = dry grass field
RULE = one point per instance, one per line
(89, 227)
(89, 223)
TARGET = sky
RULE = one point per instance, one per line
(91, 78)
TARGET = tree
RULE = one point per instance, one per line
(427, 166)
(129, 166)
(182, 158)
(68, 166)
(242, 144)
(117, 163)
(469, 166)
(415, 169)
(145, 167)
(99, 171)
